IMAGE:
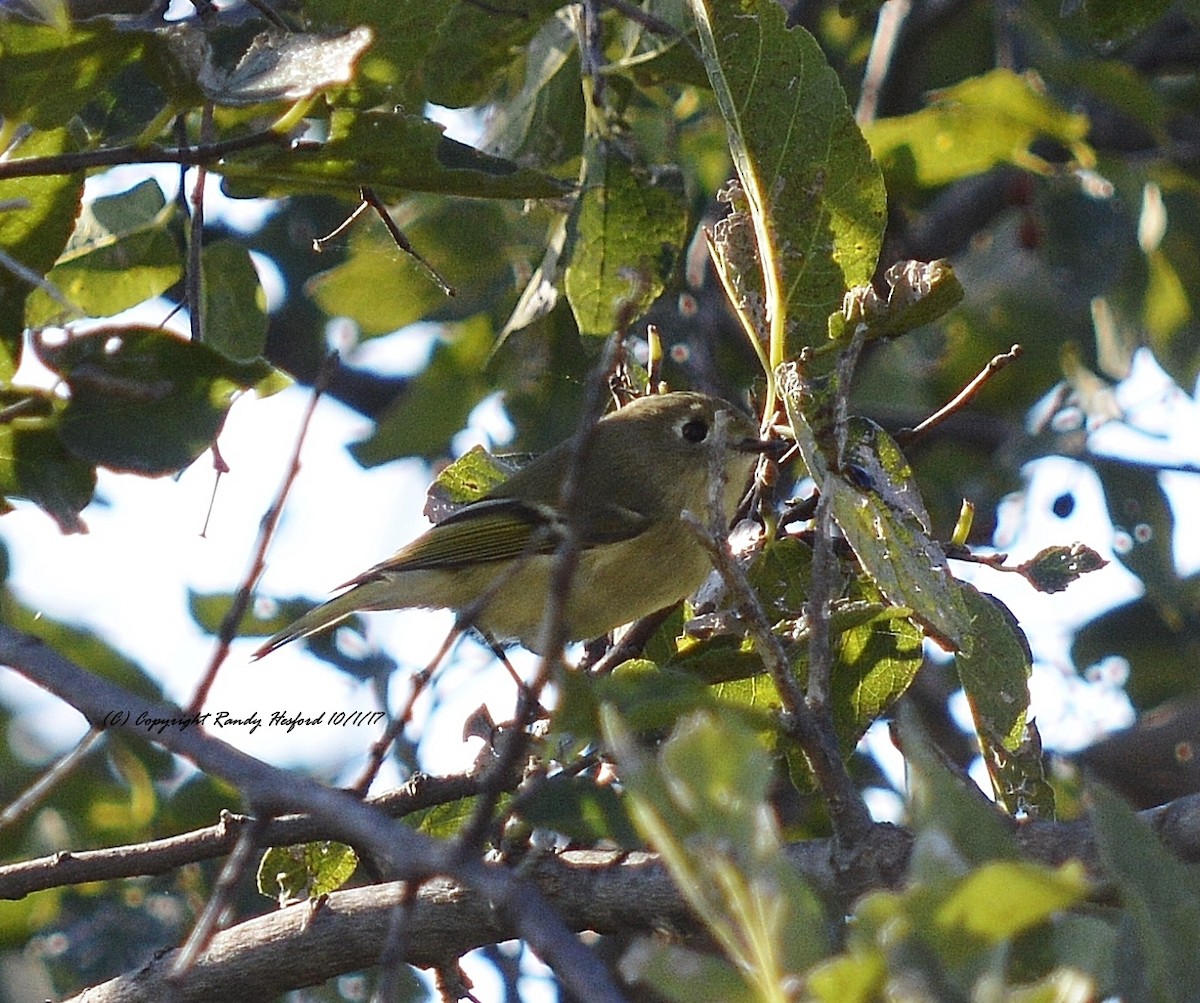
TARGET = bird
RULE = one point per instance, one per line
(491, 561)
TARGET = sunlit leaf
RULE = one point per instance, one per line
(468, 479)
(816, 198)
(974, 125)
(291, 874)
(1003, 899)
(51, 72)
(626, 238)
(464, 241)
(120, 254)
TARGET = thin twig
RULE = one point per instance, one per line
(879, 61)
(195, 249)
(266, 532)
(319, 243)
(417, 683)
(964, 397)
(552, 636)
(27, 274)
(224, 890)
(189, 156)
(370, 198)
(40, 789)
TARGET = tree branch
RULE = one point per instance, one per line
(401, 851)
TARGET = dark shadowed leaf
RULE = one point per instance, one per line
(235, 307)
(391, 153)
(143, 400)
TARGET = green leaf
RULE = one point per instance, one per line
(436, 404)
(474, 44)
(875, 663)
(143, 400)
(701, 803)
(392, 72)
(35, 224)
(50, 72)
(464, 241)
(816, 198)
(994, 667)
(444, 821)
(542, 123)
(1002, 899)
(292, 874)
(1161, 894)
(35, 465)
(120, 254)
(626, 238)
(974, 125)
(581, 809)
(234, 307)
(473, 476)
(877, 505)
(392, 153)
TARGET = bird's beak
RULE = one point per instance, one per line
(774, 448)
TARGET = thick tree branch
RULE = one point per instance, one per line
(604, 891)
(400, 851)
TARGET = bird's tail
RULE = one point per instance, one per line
(316, 619)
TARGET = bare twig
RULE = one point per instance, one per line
(245, 593)
(400, 721)
(883, 48)
(114, 156)
(404, 853)
(226, 885)
(962, 398)
(195, 247)
(370, 198)
(41, 788)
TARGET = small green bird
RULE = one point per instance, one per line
(642, 466)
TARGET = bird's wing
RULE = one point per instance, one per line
(498, 529)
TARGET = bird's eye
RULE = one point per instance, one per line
(695, 430)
